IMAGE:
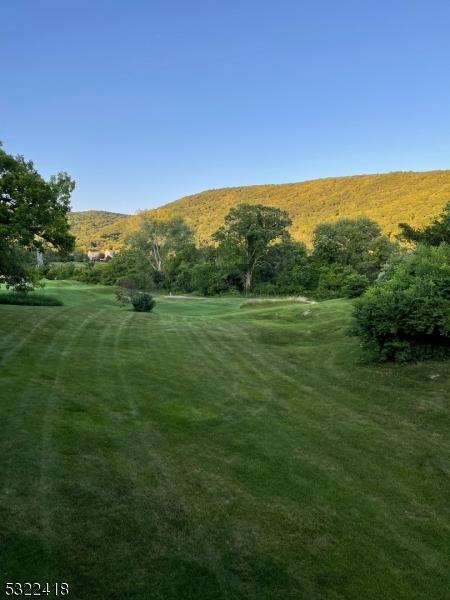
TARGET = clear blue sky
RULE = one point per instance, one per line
(146, 101)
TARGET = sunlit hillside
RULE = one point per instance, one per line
(97, 228)
(388, 198)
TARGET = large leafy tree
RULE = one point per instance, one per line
(356, 243)
(247, 234)
(157, 240)
(433, 235)
(33, 215)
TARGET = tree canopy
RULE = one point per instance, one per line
(33, 215)
(433, 235)
(248, 231)
(157, 240)
(356, 243)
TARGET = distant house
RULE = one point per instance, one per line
(95, 255)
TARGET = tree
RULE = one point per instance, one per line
(405, 315)
(128, 264)
(33, 216)
(433, 235)
(287, 268)
(357, 243)
(158, 240)
(247, 234)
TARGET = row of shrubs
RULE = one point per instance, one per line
(85, 272)
(22, 298)
(333, 281)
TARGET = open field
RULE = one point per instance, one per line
(207, 451)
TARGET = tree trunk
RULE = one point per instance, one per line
(247, 281)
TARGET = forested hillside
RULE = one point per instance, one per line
(94, 228)
(388, 198)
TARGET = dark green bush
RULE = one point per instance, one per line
(142, 302)
(128, 264)
(354, 285)
(405, 315)
(29, 299)
(337, 281)
(89, 273)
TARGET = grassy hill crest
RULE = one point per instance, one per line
(389, 198)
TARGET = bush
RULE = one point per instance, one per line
(405, 315)
(142, 302)
(337, 281)
(354, 285)
(89, 273)
(128, 264)
(62, 270)
(127, 292)
(29, 299)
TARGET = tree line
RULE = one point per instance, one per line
(403, 289)
(252, 253)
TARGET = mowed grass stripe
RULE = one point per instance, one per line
(205, 452)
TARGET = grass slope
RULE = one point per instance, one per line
(390, 198)
(205, 451)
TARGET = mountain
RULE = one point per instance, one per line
(389, 199)
(93, 228)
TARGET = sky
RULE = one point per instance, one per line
(143, 102)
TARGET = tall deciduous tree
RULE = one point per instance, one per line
(159, 239)
(247, 234)
(33, 215)
(357, 243)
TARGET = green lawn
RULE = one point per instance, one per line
(205, 451)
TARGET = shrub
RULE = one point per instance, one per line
(127, 292)
(405, 315)
(354, 285)
(337, 281)
(142, 302)
(128, 264)
(29, 299)
(90, 273)
(62, 270)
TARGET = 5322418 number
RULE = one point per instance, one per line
(36, 589)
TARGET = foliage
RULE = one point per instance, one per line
(254, 250)
(98, 229)
(433, 235)
(22, 298)
(287, 269)
(59, 271)
(33, 215)
(128, 264)
(127, 288)
(385, 198)
(354, 285)
(128, 292)
(245, 237)
(157, 241)
(142, 302)
(355, 243)
(406, 314)
(18, 267)
(339, 281)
